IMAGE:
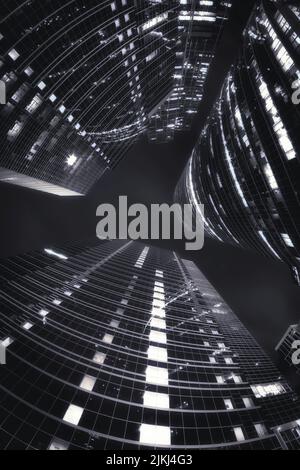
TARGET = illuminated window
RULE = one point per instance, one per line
(42, 85)
(158, 337)
(228, 404)
(159, 273)
(142, 258)
(53, 98)
(158, 303)
(270, 177)
(157, 400)
(28, 71)
(68, 293)
(231, 166)
(58, 444)
(114, 324)
(151, 56)
(108, 338)
(159, 291)
(54, 253)
(248, 402)
(157, 376)
(27, 326)
(99, 358)
(265, 240)
(268, 390)
(154, 21)
(13, 54)
(208, 3)
(43, 313)
(159, 284)
(261, 429)
(287, 240)
(7, 342)
(159, 295)
(277, 123)
(19, 94)
(198, 16)
(71, 160)
(281, 53)
(73, 414)
(155, 435)
(157, 354)
(88, 383)
(158, 312)
(15, 130)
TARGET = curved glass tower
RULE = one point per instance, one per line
(121, 346)
(245, 167)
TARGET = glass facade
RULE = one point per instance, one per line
(116, 345)
(245, 167)
(288, 349)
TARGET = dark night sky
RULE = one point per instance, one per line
(259, 290)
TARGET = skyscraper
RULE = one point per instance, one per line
(81, 79)
(200, 27)
(119, 345)
(245, 167)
